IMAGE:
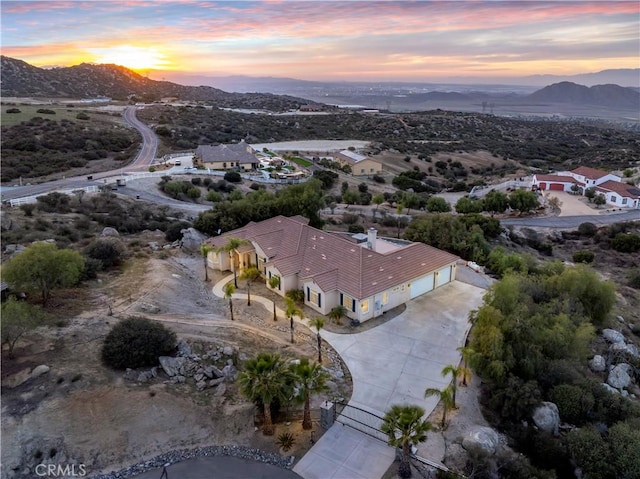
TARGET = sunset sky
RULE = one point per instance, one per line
(339, 40)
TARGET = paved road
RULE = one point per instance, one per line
(572, 222)
(220, 467)
(142, 161)
(147, 153)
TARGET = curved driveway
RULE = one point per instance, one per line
(392, 363)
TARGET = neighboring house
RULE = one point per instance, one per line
(555, 182)
(620, 194)
(615, 191)
(360, 164)
(367, 277)
(225, 157)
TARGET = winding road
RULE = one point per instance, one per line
(142, 161)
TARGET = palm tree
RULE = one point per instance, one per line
(291, 311)
(456, 372)
(230, 246)
(318, 323)
(205, 249)
(446, 398)
(403, 424)
(337, 313)
(250, 274)
(265, 379)
(274, 282)
(229, 289)
(467, 356)
(310, 379)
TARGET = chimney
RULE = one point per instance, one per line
(372, 234)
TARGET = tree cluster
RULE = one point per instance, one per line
(463, 235)
(303, 199)
(530, 340)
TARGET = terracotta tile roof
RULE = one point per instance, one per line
(558, 178)
(588, 172)
(334, 262)
(235, 152)
(623, 189)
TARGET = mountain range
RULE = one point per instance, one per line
(89, 80)
(20, 79)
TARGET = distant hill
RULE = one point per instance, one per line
(629, 77)
(88, 81)
(613, 96)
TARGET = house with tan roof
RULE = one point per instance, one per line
(368, 275)
(610, 185)
(239, 156)
(360, 164)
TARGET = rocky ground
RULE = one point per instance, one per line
(60, 404)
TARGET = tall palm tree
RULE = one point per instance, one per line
(291, 311)
(318, 323)
(403, 424)
(456, 373)
(265, 378)
(310, 379)
(205, 249)
(250, 274)
(274, 282)
(446, 398)
(229, 289)
(467, 357)
(230, 246)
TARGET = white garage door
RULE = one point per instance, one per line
(421, 286)
(444, 276)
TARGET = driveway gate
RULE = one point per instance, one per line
(360, 420)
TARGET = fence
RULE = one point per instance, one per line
(34, 198)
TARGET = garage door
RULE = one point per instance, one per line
(444, 276)
(422, 285)
(542, 186)
(556, 186)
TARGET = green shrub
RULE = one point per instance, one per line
(357, 228)
(174, 231)
(634, 278)
(574, 403)
(137, 342)
(108, 250)
(233, 177)
(286, 441)
(626, 243)
(583, 256)
(296, 295)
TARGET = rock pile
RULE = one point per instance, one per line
(204, 371)
(620, 374)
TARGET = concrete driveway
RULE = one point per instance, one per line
(390, 364)
(572, 205)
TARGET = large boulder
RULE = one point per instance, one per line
(40, 370)
(481, 440)
(109, 231)
(598, 364)
(546, 417)
(610, 389)
(613, 336)
(192, 239)
(619, 377)
(171, 366)
(184, 349)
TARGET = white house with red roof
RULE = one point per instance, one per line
(614, 190)
(367, 275)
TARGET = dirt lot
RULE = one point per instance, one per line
(82, 412)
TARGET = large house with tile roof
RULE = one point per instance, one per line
(239, 156)
(614, 190)
(366, 274)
